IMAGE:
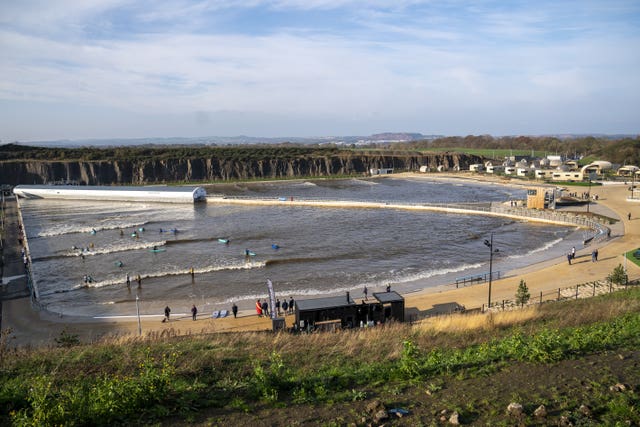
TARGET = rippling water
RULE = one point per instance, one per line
(319, 250)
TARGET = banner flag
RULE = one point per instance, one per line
(272, 299)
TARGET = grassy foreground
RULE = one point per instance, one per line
(579, 359)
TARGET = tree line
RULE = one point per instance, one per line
(621, 151)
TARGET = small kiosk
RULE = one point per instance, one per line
(332, 313)
(392, 304)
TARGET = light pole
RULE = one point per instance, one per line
(138, 313)
(489, 244)
(589, 194)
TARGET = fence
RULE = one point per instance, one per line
(31, 284)
(482, 277)
(583, 290)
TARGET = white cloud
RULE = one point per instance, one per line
(391, 66)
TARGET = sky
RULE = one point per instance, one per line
(191, 68)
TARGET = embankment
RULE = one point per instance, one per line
(156, 170)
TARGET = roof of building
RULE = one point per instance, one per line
(323, 303)
(146, 188)
(154, 193)
(386, 297)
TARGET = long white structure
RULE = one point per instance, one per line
(128, 194)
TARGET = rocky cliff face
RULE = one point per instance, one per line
(139, 172)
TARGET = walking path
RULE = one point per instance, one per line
(33, 328)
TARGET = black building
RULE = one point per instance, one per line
(332, 313)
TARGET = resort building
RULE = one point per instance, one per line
(559, 175)
(628, 170)
(381, 171)
(543, 173)
(598, 167)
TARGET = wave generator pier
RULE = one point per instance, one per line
(150, 193)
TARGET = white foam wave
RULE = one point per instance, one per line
(356, 290)
(114, 249)
(74, 229)
(536, 250)
(181, 272)
(364, 182)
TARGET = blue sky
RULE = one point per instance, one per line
(138, 68)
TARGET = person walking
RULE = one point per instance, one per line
(265, 308)
(194, 312)
(128, 281)
(629, 216)
(167, 313)
(573, 252)
(593, 256)
(278, 306)
(595, 253)
(285, 307)
(234, 310)
(258, 308)
(291, 302)
(365, 291)
(569, 258)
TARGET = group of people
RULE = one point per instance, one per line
(194, 311)
(286, 307)
(138, 279)
(572, 255)
(365, 291)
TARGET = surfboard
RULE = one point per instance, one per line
(250, 253)
(223, 313)
(157, 250)
(274, 246)
(223, 240)
(215, 314)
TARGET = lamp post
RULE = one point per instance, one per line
(589, 195)
(138, 313)
(489, 244)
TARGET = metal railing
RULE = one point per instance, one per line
(476, 278)
(582, 290)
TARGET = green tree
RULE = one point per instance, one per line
(618, 276)
(522, 294)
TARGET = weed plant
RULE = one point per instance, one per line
(143, 381)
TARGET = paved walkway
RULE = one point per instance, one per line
(14, 282)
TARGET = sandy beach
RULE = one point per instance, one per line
(24, 325)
